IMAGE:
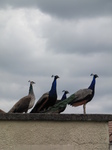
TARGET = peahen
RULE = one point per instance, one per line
(24, 103)
(48, 99)
(81, 97)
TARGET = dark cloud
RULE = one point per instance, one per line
(76, 36)
(83, 36)
(18, 4)
(76, 9)
(65, 9)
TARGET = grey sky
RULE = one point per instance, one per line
(45, 37)
(65, 9)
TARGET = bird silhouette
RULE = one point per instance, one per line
(81, 97)
(48, 99)
(57, 108)
(24, 103)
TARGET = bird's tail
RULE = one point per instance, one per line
(61, 104)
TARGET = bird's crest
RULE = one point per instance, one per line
(56, 76)
(65, 91)
(95, 75)
(31, 82)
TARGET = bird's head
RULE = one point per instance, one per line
(95, 75)
(65, 91)
(56, 76)
(31, 82)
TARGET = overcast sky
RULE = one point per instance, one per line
(69, 38)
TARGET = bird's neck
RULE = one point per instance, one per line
(31, 90)
(92, 85)
(64, 96)
(53, 91)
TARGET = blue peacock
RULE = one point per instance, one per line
(83, 96)
(64, 96)
(48, 99)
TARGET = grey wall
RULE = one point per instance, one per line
(51, 135)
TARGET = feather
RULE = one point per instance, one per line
(40, 103)
(80, 96)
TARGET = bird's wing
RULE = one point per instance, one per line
(21, 105)
(58, 107)
(40, 103)
(1, 111)
(81, 96)
(45, 95)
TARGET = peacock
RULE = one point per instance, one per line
(85, 95)
(81, 97)
(64, 96)
(24, 103)
(58, 109)
(47, 99)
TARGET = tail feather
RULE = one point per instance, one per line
(61, 104)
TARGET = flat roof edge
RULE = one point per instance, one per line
(55, 117)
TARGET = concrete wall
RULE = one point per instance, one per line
(40, 134)
(110, 146)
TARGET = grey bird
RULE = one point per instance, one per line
(24, 103)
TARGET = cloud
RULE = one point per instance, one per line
(76, 9)
(83, 36)
(65, 9)
(19, 43)
(18, 4)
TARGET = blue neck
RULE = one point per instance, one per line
(92, 85)
(64, 96)
(53, 92)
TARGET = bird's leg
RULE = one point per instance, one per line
(84, 108)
